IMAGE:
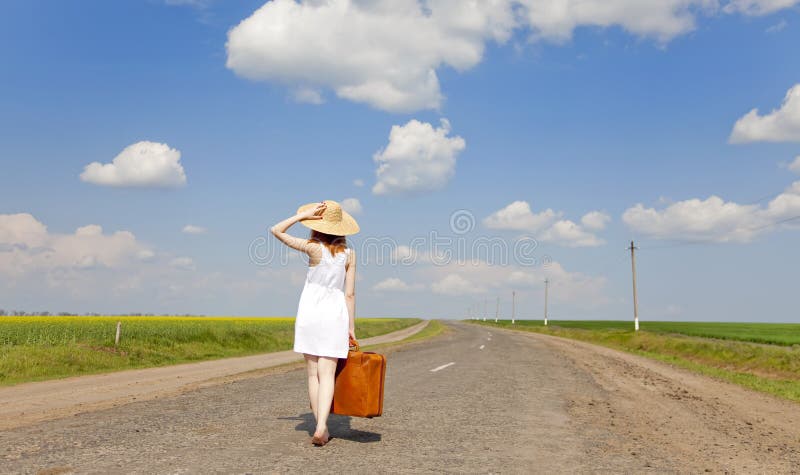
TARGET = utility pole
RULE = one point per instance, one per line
(546, 285)
(484, 310)
(635, 295)
(513, 305)
(497, 310)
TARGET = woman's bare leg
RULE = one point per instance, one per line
(313, 382)
(326, 370)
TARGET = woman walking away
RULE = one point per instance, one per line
(326, 313)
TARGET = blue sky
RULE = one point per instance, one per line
(597, 110)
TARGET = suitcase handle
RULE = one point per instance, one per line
(354, 344)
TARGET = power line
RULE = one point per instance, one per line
(764, 198)
(776, 223)
(674, 244)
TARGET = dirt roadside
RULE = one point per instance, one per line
(29, 403)
(654, 411)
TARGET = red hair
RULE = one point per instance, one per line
(334, 243)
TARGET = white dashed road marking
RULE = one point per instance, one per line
(442, 366)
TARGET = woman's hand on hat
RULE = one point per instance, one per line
(315, 212)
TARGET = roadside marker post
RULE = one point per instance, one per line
(497, 310)
(484, 310)
(513, 305)
(546, 285)
(119, 330)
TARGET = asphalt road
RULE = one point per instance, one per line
(472, 400)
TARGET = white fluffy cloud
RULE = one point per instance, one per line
(393, 284)
(352, 205)
(780, 125)
(547, 226)
(595, 220)
(795, 165)
(182, 263)
(777, 27)
(663, 20)
(93, 270)
(143, 164)
(192, 229)
(383, 53)
(758, 7)
(308, 95)
(419, 157)
(576, 288)
(455, 284)
(27, 246)
(714, 219)
(518, 216)
(386, 53)
(408, 256)
(567, 233)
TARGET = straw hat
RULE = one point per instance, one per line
(334, 220)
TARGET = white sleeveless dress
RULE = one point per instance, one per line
(322, 323)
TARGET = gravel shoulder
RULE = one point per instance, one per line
(675, 420)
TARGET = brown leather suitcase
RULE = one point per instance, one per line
(358, 390)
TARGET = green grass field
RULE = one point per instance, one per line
(38, 348)
(434, 327)
(754, 355)
(786, 334)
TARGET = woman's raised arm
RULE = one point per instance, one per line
(279, 230)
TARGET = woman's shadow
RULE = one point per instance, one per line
(338, 426)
